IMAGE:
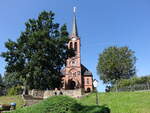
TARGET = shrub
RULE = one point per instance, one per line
(61, 104)
(16, 90)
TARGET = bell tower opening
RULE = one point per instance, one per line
(71, 45)
(75, 46)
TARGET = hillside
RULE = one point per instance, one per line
(123, 102)
(61, 104)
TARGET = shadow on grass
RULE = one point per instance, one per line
(90, 109)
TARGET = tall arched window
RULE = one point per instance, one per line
(87, 81)
(70, 44)
(74, 74)
(75, 46)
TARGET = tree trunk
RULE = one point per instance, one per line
(147, 85)
(116, 85)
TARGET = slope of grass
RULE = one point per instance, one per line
(61, 104)
(8, 99)
(123, 102)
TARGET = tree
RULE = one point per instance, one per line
(11, 80)
(1, 80)
(116, 63)
(39, 53)
(1, 85)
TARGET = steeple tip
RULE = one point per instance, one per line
(74, 26)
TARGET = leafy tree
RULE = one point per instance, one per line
(1, 80)
(11, 80)
(1, 85)
(116, 63)
(39, 53)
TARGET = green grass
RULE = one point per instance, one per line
(8, 99)
(61, 104)
(123, 102)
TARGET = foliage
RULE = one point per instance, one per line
(61, 104)
(15, 90)
(1, 80)
(11, 80)
(134, 83)
(39, 53)
(2, 85)
(116, 63)
(121, 102)
(134, 80)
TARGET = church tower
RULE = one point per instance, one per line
(75, 73)
(73, 67)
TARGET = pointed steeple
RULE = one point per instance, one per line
(74, 24)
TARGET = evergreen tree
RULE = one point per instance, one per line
(39, 53)
(1, 80)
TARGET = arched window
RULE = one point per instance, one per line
(87, 80)
(73, 63)
(74, 74)
(70, 44)
(75, 46)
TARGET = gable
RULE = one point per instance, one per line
(85, 71)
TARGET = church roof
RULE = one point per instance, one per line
(74, 25)
(85, 71)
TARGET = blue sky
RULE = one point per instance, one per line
(101, 23)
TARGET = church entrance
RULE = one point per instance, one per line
(72, 84)
(88, 90)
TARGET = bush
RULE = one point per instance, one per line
(16, 90)
(62, 104)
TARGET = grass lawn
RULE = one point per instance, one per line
(123, 102)
(61, 104)
(9, 99)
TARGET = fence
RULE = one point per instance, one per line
(135, 87)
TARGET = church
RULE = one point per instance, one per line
(75, 75)
(76, 78)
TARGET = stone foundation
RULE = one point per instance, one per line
(47, 93)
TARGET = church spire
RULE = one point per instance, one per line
(74, 25)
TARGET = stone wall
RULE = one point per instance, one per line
(47, 93)
(36, 93)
